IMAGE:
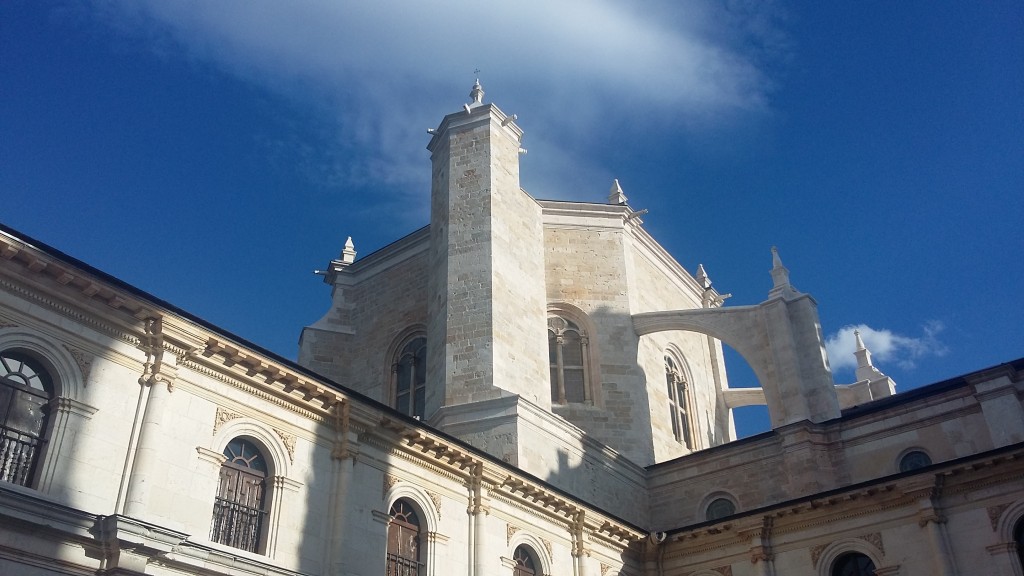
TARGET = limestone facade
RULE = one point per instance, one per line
(574, 415)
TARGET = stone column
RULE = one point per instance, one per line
(343, 459)
(478, 509)
(158, 377)
(935, 524)
(760, 548)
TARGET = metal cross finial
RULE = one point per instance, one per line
(476, 73)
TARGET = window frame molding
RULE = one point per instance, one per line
(907, 452)
(1005, 527)
(389, 391)
(689, 402)
(430, 517)
(278, 479)
(536, 546)
(65, 403)
(832, 552)
(705, 502)
(591, 353)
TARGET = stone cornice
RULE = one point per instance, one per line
(35, 263)
(386, 258)
(507, 483)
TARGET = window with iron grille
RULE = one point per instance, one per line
(240, 506)
(525, 564)
(25, 392)
(404, 557)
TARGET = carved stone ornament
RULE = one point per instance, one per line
(83, 360)
(605, 568)
(547, 546)
(509, 532)
(994, 512)
(222, 417)
(724, 570)
(389, 483)
(436, 499)
(289, 444)
(816, 554)
(7, 324)
(875, 539)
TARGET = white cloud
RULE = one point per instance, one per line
(390, 68)
(885, 346)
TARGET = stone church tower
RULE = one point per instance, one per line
(523, 309)
(523, 386)
(487, 311)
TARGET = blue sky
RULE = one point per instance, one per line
(215, 153)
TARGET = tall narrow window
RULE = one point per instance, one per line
(404, 557)
(25, 392)
(410, 375)
(677, 402)
(240, 505)
(567, 352)
(525, 565)
(853, 564)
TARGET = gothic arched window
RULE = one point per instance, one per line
(678, 402)
(525, 565)
(853, 564)
(25, 392)
(241, 502)
(568, 355)
(410, 378)
(404, 557)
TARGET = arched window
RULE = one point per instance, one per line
(25, 392)
(678, 402)
(404, 557)
(720, 508)
(525, 564)
(567, 353)
(241, 501)
(410, 378)
(913, 460)
(853, 564)
(1018, 537)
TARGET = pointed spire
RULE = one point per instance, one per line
(865, 369)
(615, 194)
(702, 277)
(780, 274)
(477, 94)
(348, 255)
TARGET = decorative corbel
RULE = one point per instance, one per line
(154, 371)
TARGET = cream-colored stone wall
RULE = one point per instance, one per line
(608, 270)
(794, 461)
(131, 482)
(376, 302)
(946, 520)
